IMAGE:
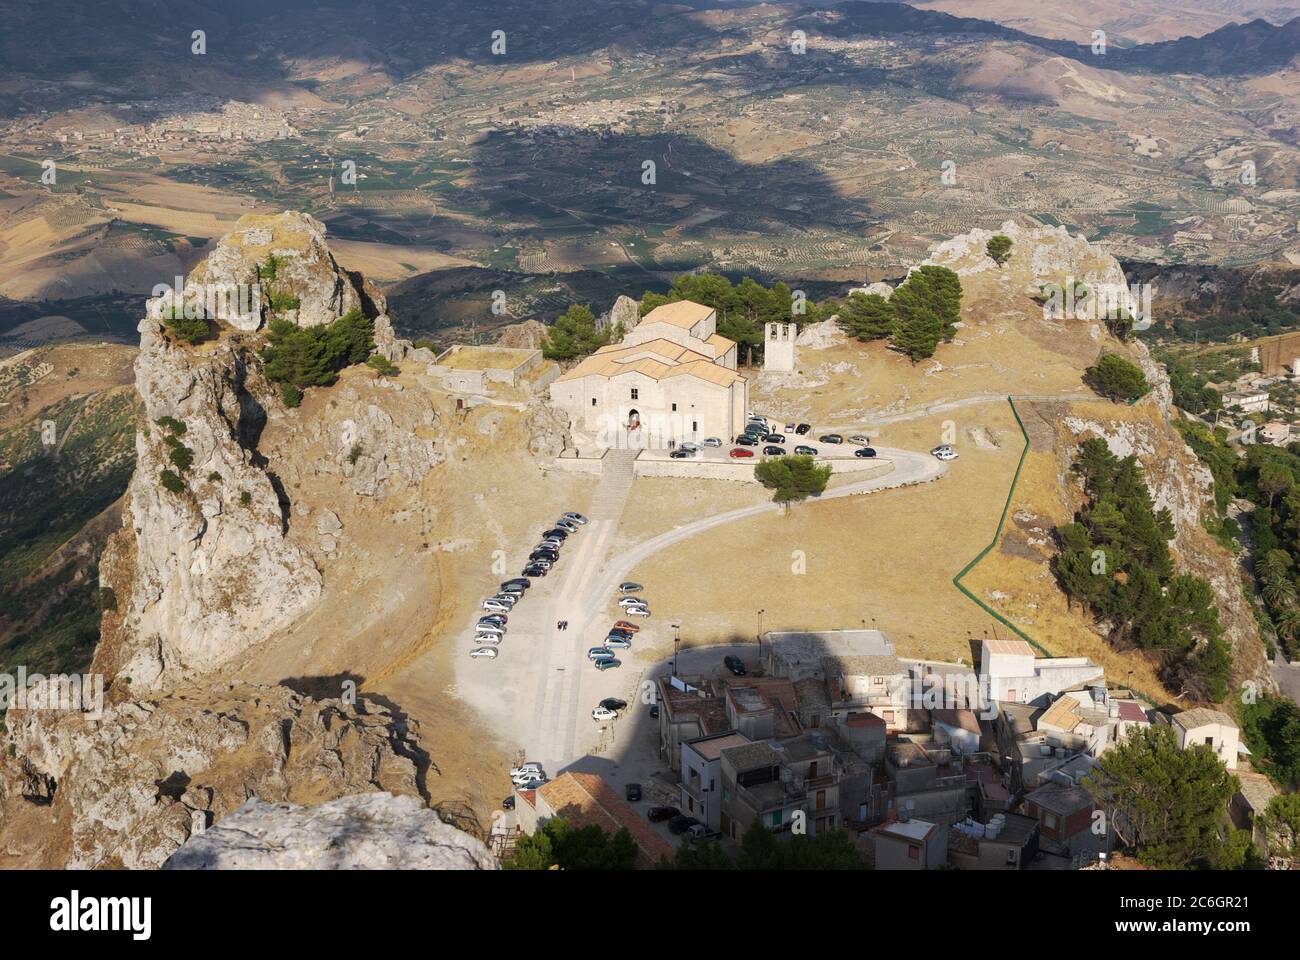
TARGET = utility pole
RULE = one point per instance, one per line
(760, 634)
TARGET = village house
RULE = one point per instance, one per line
(1212, 728)
(910, 845)
(775, 781)
(1010, 671)
(1006, 842)
(584, 799)
(689, 708)
(701, 766)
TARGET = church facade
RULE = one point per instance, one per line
(673, 378)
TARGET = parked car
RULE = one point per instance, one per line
(512, 590)
(775, 438)
(532, 785)
(681, 823)
(496, 606)
(537, 570)
(746, 440)
(551, 555)
(803, 428)
(618, 643)
(518, 582)
(573, 517)
(500, 619)
(625, 625)
(557, 533)
(494, 639)
(735, 665)
(698, 831)
(789, 428)
(621, 632)
(739, 453)
(680, 454)
(831, 438)
(607, 663)
(859, 439)
(868, 452)
(613, 703)
(631, 602)
(484, 653)
(638, 611)
(627, 586)
(944, 452)
(632, 792)
(690, 447)
(603, 714)
(532, 767)
(654, 711)
(660, 814)
(805, 451)
(712, 442)
(509, 599)
(567, 525)
(596, 653)
(490, 628)
(508, 803)
(773, 451)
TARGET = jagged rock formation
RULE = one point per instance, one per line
(373, 831)
(211, 572)
(526, 335)
(127, 788)
(625, 311)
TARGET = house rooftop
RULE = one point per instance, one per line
(1132, 711)
(584, 799)
(1200, 717)
(1060, 799)
(1013, 647)
(906, 829)
(751, 756)
(681, 313)
(711, 747)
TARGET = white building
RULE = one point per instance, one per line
(1211, 728)
(672, 378)
(1248, 401)
(1010, 671)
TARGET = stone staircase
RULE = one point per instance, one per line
(615, 483)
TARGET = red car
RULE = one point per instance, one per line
(624, 625)
(739, 452)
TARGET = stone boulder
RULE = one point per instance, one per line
(372, 831)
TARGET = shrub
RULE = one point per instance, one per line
(182, 458)
(354, 454)
(313, 356)
(245, 498)
(214, 477)
(106, 599)
(1117, 378)
(290, 394)
(190, 331)
(381, 365)
(173, 426)
(999, 248)
(171, 481)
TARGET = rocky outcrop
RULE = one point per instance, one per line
(131, 785)
(547, 428)
(526, 335)
(625, 311)
(374, 831)
(212, 571)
